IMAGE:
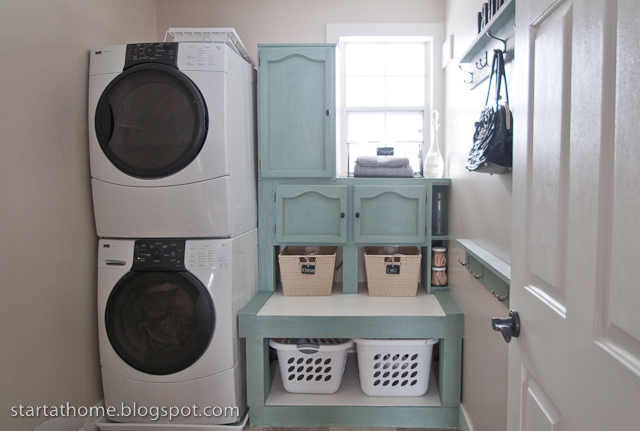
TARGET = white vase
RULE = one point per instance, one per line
(433, 162)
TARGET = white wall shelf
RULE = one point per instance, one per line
(488, 269)
(479, 51)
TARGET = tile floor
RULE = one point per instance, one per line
(248, 428)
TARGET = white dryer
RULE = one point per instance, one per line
(167, 321)
(172, 140)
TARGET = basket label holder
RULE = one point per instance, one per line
(393, 264)
(393, 269)
(310, 267)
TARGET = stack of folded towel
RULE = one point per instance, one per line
(382, 166)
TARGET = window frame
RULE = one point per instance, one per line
(433, 34)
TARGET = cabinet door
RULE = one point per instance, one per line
(389, 214)
(307, 214)
(296, 105)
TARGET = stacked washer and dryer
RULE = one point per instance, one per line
(172, 149)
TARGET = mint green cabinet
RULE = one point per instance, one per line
(311, 214)
(296, 111)
(302, 202)
(389, 214)
(317, 214)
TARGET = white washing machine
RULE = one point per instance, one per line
(167, 321)
(172, 140)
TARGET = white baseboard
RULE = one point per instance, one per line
(465, 421)
(91, 420)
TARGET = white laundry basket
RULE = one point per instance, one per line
(394, 367)
(311, 365)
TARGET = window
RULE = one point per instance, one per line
(389, 81)
(384, 82)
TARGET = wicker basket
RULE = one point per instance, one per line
(307, 271)
(392, 271)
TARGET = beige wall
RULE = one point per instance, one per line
(480, 210)
(48, 335)
(480, 204)
(290, 21)
(48, 341)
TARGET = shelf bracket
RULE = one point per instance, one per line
(504, 42)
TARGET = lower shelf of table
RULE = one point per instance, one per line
(349, 394)
(271, 406)
(355, 416)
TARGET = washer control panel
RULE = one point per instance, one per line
(158, 254)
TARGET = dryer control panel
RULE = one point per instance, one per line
(158, 255)
(165, 53)
(208, 254)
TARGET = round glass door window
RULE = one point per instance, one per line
(160, 322)
(151, 121)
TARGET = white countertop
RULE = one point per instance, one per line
(339, 304)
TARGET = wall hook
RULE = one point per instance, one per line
(480, 64)
(463, 263)
(501, 298)
(504, 42)
(465, 81)
(477, 276)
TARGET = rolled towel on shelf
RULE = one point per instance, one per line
(382, 161)
(382, 171)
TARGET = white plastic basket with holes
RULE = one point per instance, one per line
(311, 365)
(394, 367)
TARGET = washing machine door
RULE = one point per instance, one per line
(160, 322)
(151, 121)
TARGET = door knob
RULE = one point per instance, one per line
(510, 326)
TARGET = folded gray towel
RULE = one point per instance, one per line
(368, 171)
(382, 161)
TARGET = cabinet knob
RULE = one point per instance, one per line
(328, 112)
(341, 215)
(357, 215)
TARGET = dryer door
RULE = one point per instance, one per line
(160, 322)
(151, 121)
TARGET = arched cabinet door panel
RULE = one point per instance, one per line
(389, 214)
(311, 214)
(297, 103)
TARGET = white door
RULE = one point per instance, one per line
(576, 238)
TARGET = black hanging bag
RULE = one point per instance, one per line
(492, 150)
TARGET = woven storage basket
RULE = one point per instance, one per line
(392, 271)
(307, 271)
(394, 368)
(311, 365)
